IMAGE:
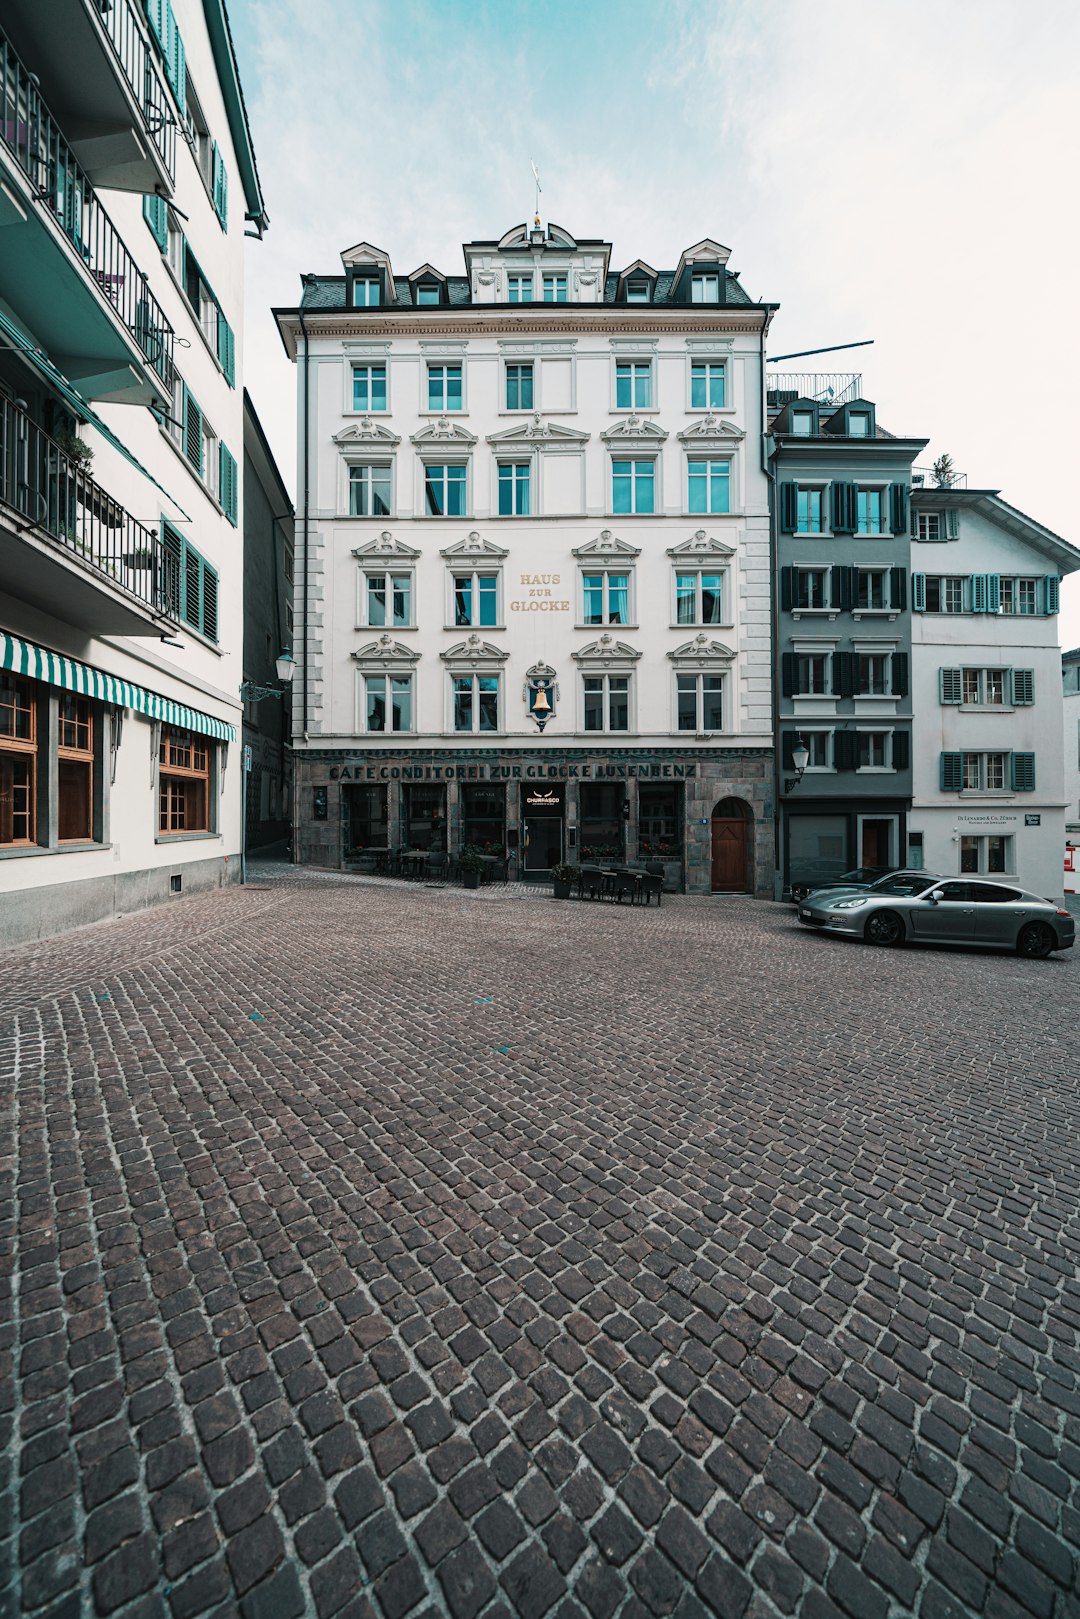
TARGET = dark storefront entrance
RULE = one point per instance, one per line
(732, 839)
(542, 817)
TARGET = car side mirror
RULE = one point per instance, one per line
(931, 899)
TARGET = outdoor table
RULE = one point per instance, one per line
(412, 861)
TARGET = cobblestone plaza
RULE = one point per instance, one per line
(377, 1250)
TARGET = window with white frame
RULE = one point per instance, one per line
(875, 674)
(514, 481)
(708, 385)
(606, 702)
(444, 388)
(874, 750)
(605, 598)
(365, 291)
(983, 687)
(388, 702)
(699, 597)
(633, 486)
(802, 423)
(476, 599)
(709, 486)
(989, 853)
(445, 487)
(519, 289)
(699, 702)
(705, 287)
(858, 424)
(812, 589)
(388, 599)
(929, 526)
(637, 292)
(868, 511)
(819, 749)
(555, 289)
(519, 386)
(983, 772)
(427, 292)
(475, 702)
(369, 387)
(1019, 595)
(369, 489)
(812, 670)
(944, 593)
(633, 384)
(809, 506)
(872, 589)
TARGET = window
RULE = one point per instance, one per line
(514, 488)
(874, 672)
(18, 761)
(605, 598)
(369, 387)
(809, 511)
(388, 600)
(858, 426)
(929, 526)
(476, 702)
(659, 822)
(632, 486)
(699, 702)
(183, 782)
(1019, 596)
(427, 292)
(802, 423)
(633, 385)
(707, 385)
(819, 749)
(388, 702)
(811, 588)
(366, 809)
(197, 130)
(519, 289)
(444, 387)
(189, 585)
(423, 816)
(699, 598)
(985, 687)
(872, 589)
(607, 702)
(476, 599)
(444, 490)
(710, 486)
(75, 769)
(944, 593)
(365, 292)
(555, 289)
(812, 674)
(637, 292)
(601, 822)
(868, 520)
(983, 772)
(873, 751)
(483, 817)
(990, 854)
(705, 289)
(519, 387)
(369, 490)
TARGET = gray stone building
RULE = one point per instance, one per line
(268, 630)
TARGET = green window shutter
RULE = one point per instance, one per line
(993, 593)
(950, 685)
(979, 593)
(918, 593)
(226, 349)
(901, 750)
(843, 588)
(1023, 772)
(1022, 682)
(177, 65)
(787, 748)
(788, 674)
(209, 602)
(785, 590)
(843, 503)
(898, 508)
(158, 12)
(172, 571)
(898, 588)
(952, 772)
(192, 587)
(952, 523)
(789, 508)
(228, 485)
(900, 674)
(845, 750)
(220, 187)
(845, 674)
(193, 422)
(1051, 593)
(156, 213)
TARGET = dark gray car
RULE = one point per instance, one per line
(933, 910)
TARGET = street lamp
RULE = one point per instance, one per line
(284, 667)
(800, 758)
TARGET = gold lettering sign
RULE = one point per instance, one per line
(541, 597)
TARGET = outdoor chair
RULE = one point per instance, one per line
(590, 882)
(652, 883)
(655, 868)
(435, 866)
(625, 882)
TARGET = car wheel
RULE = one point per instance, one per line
(1036, 940)
(884, 928)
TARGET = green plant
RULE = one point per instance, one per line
(75, 449)
(944, 471)
(564, 872)
(471, 858)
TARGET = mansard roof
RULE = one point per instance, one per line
(325, 292)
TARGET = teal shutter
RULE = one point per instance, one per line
(843, 508)
(209, 602)
(1051, 593)
(177, 64)
(1022, 682)
(899, 674)
(918, 593)
(898, 589)
(979, 593)
(952, 523)
(845, 674)
(898, 508)
(220, 187)
(788, 740)
(1023, 772)
(193, 424)
(993, 593)
(228, 485)
(845, 750)
(158, 12)
(952, 772)
(226, 349)
(172, 571)
(843, 588)
(950, 685)
(156, 213)
(901, 750)
(789, 508)
(788, 674)
(785, 590)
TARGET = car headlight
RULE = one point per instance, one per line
(849, 904)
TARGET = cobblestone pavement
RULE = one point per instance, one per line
(380, 1251)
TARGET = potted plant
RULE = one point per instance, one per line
(472, 865)
(563, 877)
(75, 450)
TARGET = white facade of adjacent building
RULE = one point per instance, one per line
(1070, 702)
(989, 784)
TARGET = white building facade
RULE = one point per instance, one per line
(532, 606)
(1070, 690)
(128, 184)
(988, 782)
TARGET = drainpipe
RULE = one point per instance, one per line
(773, 619)
(304, 615)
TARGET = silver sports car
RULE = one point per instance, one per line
(933, 910)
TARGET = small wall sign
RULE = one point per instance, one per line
(1032, 820)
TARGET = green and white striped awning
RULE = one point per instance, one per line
(36, 662)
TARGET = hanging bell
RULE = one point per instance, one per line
(540, 701)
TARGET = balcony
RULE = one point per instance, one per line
(101, 77)
(933, 478)
(829, 388)
(66, 546)
(64, 267)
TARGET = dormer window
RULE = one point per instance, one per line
(858, 424)
(802, 423)
(365, 292)
(519, 289)
(427, 292)
(705, 287)
(637, 292)
(555, 289)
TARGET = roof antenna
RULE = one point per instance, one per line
(536, 177)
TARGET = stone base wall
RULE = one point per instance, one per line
(39, 913)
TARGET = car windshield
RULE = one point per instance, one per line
(903, 884)
(867, 874)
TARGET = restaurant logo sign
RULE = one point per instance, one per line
(542, 798)
(541, 694)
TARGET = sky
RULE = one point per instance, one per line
(895, 170)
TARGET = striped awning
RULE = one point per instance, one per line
(36, 662)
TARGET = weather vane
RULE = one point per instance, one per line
(536, 177)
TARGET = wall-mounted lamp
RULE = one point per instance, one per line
(800, 758)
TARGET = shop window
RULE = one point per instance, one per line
(601, 825)
(424, 814)
(75, 770)
(659, 822)
(18, 761)
(483, 817)
(365, 808)
(184, 782)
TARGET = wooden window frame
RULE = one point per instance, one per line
(78, 755)
(25, 747)
(170, 770)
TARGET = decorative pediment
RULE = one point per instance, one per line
(639, 269)
(364, 253)
(702, 650)
(474, 548)
(606, 650)
(636, 428)
(443, 431)
(386, 653)
(385, 547)
(474, 653)
(704, 252)
(366, 434)
(426, 272)
(712, 428)
(607, 545)
(537, 431)
(701, 547)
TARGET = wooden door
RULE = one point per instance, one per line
(728, 856)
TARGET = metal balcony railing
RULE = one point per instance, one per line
(929, 478)
(32, 136)
(834, 388)
(49, 487)
(121, 22)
